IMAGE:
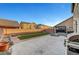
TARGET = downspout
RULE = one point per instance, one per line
(76, 26)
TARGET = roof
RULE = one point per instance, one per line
(64, 21)
(8, 23)
(27, 23)
(42, 25)
(24, 22)
(73, 4)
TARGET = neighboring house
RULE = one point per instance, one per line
(7, 24)
(65, 26)
(41, 26)
(9, 27)
(26, 25)
(4, 23)
(33, 25)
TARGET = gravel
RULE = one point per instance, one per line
(44, 45)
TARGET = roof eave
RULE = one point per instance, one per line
(73, 4)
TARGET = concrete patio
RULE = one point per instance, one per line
(44, 45)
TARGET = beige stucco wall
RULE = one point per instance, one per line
(28, 26)
(33, 26)
(25, 26)
(76, 18)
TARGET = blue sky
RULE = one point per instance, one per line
(40, 13)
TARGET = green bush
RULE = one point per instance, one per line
(26, 36)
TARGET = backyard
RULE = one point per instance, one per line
(42, 45)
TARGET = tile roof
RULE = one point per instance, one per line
(8, 23)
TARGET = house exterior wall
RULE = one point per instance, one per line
(33, 26)
(7, 24)
(25, 26)
(28, 25)
(1, 31)
(76, 17)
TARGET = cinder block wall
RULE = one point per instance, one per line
(17, 31)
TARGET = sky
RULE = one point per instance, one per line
(40, 13)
